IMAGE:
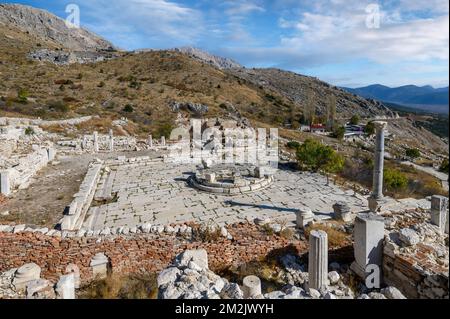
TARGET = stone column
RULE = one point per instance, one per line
(5, 184)
(342, 212)
(150, 141)
(163, 141)
(251, 287)
(25, 274)
(99, 266)
(377, 185)
(304, 217)
(439, 206)
(368, 242)
(111, 141)
(95, 142)
(318, 260)
(51, 153)
(65, 288)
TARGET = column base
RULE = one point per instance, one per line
(358, 270)
(377, 205)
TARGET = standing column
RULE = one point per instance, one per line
(95, 142)
(318, 260)
(163, 140)
(111, 140)
(150, 141)
(5, 185)
(378, 168)
(368, 239)
(439, 205)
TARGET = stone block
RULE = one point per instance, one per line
(304, 217)
(251, 287)
(439, 206)
(100, 265)
(25, 274)
(65, 288)
(368, 242)
(5, 183)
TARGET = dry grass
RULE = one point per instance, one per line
(122, 287)
(336, 238)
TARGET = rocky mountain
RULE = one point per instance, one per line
(214, 60)
(425, 96)
(296, 87)
(42, 24)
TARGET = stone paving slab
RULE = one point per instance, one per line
(158, 193)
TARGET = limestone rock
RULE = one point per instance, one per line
(199, 257)
(409, 237)
(392, 293)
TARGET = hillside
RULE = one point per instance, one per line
(46, 26)
(143, 86)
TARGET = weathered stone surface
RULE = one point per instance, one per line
(99, 266)
(409, 237)
(392, 293)
(25, 274)
(251, 287)
(65, 288)
(368, 242)
(199, 257)
(318, 260)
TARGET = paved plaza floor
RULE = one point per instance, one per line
(158, 193)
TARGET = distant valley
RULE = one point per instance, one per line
(424, 98)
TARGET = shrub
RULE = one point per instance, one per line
(355, 120)
(339, 133)
(22, 96)
(58, 106)
(293, 145)
(395, 180)
(29, 131)
(444, 166)
(369, 129)
(128, 108)
(412, 153)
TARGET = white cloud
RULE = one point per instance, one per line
(160, 20)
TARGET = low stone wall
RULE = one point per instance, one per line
(415, 275)
(4, 121)
(83, 199)
(138, 253)
(26, 167)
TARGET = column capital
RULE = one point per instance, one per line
(380, 125)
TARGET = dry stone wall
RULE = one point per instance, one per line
(136, 253)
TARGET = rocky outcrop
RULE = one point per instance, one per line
(45, 25)
(205, 57)
(65, 57)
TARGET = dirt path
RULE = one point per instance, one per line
(51, 190)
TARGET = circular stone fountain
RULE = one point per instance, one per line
(231, 179)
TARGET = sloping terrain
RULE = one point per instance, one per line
(143, 86)
(44, 25)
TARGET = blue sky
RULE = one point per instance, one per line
(328, 39)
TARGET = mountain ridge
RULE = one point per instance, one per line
(406, 94)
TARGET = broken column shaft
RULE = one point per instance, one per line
(318, 260)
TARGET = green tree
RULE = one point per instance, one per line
(314, 156)
(293, 145)
(339, 133)
(394, 180)
(355, 120)
(369, 129)
(412, 153)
